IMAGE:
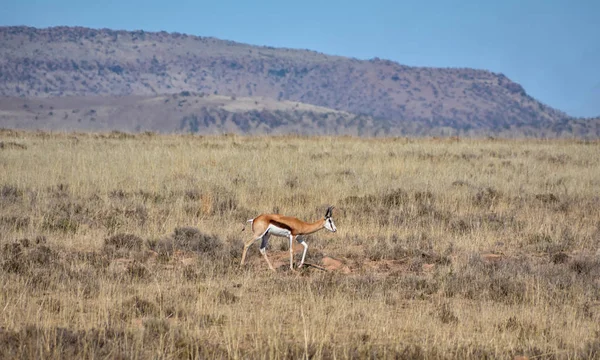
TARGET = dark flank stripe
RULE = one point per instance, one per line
(280, 225)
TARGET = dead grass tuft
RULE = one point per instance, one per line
(224, 296)
(586, 266)
(10, 194)
(16, 223)
(445, 314)
(20, 258)
(124, 241)
(487, 197)
(12, 145)
(137, 307)
(192, 239)
(548, 198)
(56, 343)
(208, 320)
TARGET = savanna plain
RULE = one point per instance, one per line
(125, 246)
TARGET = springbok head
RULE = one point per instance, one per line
(329, 224)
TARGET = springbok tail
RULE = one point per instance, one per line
(248, 221)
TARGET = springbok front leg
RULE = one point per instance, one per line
(292, 237)
(303, 253)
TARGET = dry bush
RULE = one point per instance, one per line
(46, 268)
(14, 223)
(12, 145)
(56, 343)
(10, 194)
(477, 279)
(138, 307)
(487, 197)
(445, 314)
(21, 258)
(124, 241)
(586, 266)
(188, 239)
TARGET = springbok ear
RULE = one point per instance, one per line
(328, 213)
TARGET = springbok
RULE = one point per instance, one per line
(265, 225)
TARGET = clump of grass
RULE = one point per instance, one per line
(12, 145)
(415, 249)
(504, 282)
(370, 203)
(548, 198)
(207, 320)
(66, 214)
(445, 314)
(154, 328)
(116, 218)
(60, 190)
(65, 225)
(225, 296)
(51, 305)
(97, 260)
(118, 194)
(138, 307)
(20, 258)
(188, 239)
(220, 202)
(56, 342)
(15, 222)
(120, 135)
(10, 194)
(586, 266)
(522, 329)
(124, 241)
(125, 246)
(487, 197)
(381, 248)
(193, 194)
(137, 271)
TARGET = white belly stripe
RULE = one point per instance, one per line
(277, 231)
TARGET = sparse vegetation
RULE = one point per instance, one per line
(117, 245)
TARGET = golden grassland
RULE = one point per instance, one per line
(121, 246)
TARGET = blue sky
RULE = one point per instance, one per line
(550, 47)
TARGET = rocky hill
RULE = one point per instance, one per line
(122, 67)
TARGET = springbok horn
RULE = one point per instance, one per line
(328, 213)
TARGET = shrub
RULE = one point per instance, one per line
(187, 239)
(124, 241)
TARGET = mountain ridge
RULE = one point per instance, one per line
(78, 61)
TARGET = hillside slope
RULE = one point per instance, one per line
(184, 113)
(65, 61)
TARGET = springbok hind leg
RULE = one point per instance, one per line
(263, 249)
(247, 244)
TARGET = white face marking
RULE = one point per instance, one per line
(277, 231)
(329, 225)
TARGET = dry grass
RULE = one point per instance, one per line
(122, 246)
